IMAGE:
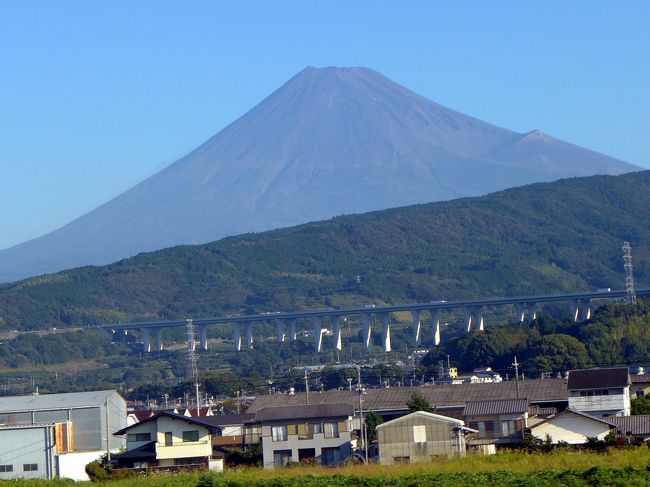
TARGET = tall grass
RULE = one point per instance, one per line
(614, 467)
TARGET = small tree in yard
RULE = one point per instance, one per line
(641, 405)
(417, 402)
(372, 420)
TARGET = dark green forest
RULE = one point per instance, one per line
(552, 237)
(543, 238)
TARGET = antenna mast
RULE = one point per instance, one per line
(629, 277)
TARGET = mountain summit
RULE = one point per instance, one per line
(330, 141)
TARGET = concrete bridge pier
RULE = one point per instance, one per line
(236, 336)
(520, 313)
(318, 334)
(146, 341)
(203, 337)
(336, 330)
(477, 318)
(468, 319)
(415, 316)
(385, 331)
(367, 329)
(292, 329)
(249, 335)
(159, 341)
(435, 320)
(531, 312)
(279, 330)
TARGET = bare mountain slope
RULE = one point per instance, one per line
(329, 141)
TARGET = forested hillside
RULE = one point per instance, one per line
(551, 237)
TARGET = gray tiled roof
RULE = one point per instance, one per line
(340, 410)
(598, 378)
(496, 406)
(569, 411)
(636, 425)
(56, 401)
(187, 419)
(229, 419)
(441, 395)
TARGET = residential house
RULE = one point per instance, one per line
(79, 420)
(232, 427)
(573, 427)
(640, 385)
(318, 433)
(486, 374)
(449, 400)
(600, 392)
(497, 422)
(167, 441)
(420, 437)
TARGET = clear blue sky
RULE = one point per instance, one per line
(95, 96)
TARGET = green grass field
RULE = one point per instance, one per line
(560, 468)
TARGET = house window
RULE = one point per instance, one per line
(281, 458)
(508, 428)
(279, 433)
(30, 467)
(6, 468)
(190, 436)
(138, 437)
(169, 438)
(485, 428)
(331, 430)
(305, 431)
(419, 434)
(318, 428)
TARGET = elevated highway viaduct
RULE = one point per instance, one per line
(579, 305)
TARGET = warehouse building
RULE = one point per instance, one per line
(56, 435)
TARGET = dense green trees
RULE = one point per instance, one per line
(554, 237)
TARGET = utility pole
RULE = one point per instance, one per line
(108, 447)
(362, 425)
(306, 387)
(516, 365)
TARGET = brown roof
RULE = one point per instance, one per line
(598, 378)
(303, 412)
(636, 425)
(640, 378)
(142, 414)
(497, 406)
(440, 395)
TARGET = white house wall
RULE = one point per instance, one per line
(180, 449)
(73, 465)
(572, 429)
(613, 404)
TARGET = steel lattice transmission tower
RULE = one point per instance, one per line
(192, 372)
(629, 277)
